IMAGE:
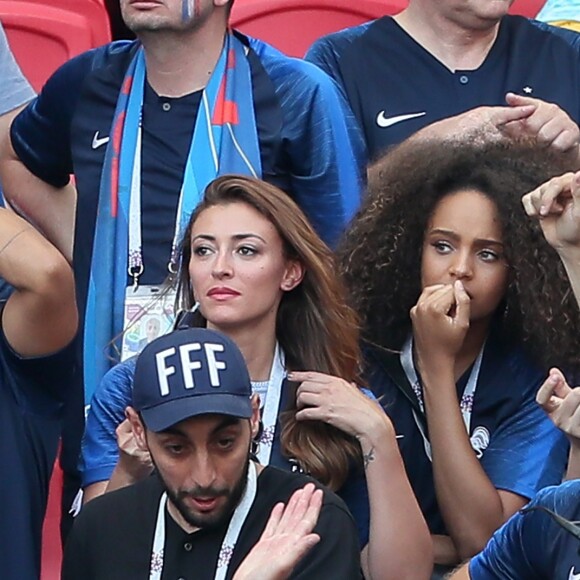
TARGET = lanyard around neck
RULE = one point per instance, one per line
(271, 406)
(465, 404)
(229, 543)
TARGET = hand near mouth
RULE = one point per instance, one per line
(440, 322)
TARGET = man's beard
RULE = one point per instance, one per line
(219, 516)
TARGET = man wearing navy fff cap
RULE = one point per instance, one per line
(207, 504)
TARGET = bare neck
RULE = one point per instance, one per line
(180, 63)
(453, 45)
(257, 344)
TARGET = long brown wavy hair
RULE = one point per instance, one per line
(315, 327)
(380, 255)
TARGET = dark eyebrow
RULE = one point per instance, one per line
(173, 430)
(226, 422)
(451, 234)
(236, 237)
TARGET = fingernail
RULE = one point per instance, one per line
(543, 210)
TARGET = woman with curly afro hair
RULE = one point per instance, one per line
(464, 306)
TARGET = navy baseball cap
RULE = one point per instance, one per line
(188, 373)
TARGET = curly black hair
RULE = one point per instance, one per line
(380, 254)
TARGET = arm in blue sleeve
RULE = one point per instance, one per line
(99, 452)
(526, 453)
(323, 146)
(40, 134)
(328, 155)
(526, 545)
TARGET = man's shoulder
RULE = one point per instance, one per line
(525, 29)
(123, 505)
(288, 73)
(342, 39)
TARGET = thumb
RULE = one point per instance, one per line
(561, 386)
(515, 100)
(463, 301)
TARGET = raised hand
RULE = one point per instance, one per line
(440, 322)
(286, 539)
(135, 463)
(561, 403)
(556, 204)
(333, 400)
(549, 124)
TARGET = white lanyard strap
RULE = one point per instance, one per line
(135, 261)
(465, 404)
(232, 534)
(271, 406)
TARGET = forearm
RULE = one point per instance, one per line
(94, 490)
(20, 247)
(51, 210)
(470, 505)
(399, 543)
(125, 474)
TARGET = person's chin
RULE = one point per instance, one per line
(202, 517)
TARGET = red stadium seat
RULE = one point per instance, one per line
(51, 547)
(43, 37)
(293, 25)
(93, 10)
(529, 8)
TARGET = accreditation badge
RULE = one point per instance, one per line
(149, 313)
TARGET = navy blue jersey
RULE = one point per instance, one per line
(395, 86)
(532, 545)
(32, 392)
(519, 448)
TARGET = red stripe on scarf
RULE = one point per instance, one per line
(225, 111)
(231, 62)
(126, 87)
(116, 144)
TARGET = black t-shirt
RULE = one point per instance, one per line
(113, 536)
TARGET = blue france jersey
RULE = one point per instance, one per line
(395, 87)
(531, 545)
(517, 445)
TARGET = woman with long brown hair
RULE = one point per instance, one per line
(253, 268)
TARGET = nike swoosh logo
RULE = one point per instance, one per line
(384, 122)
(98, 142)
(573, 576)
